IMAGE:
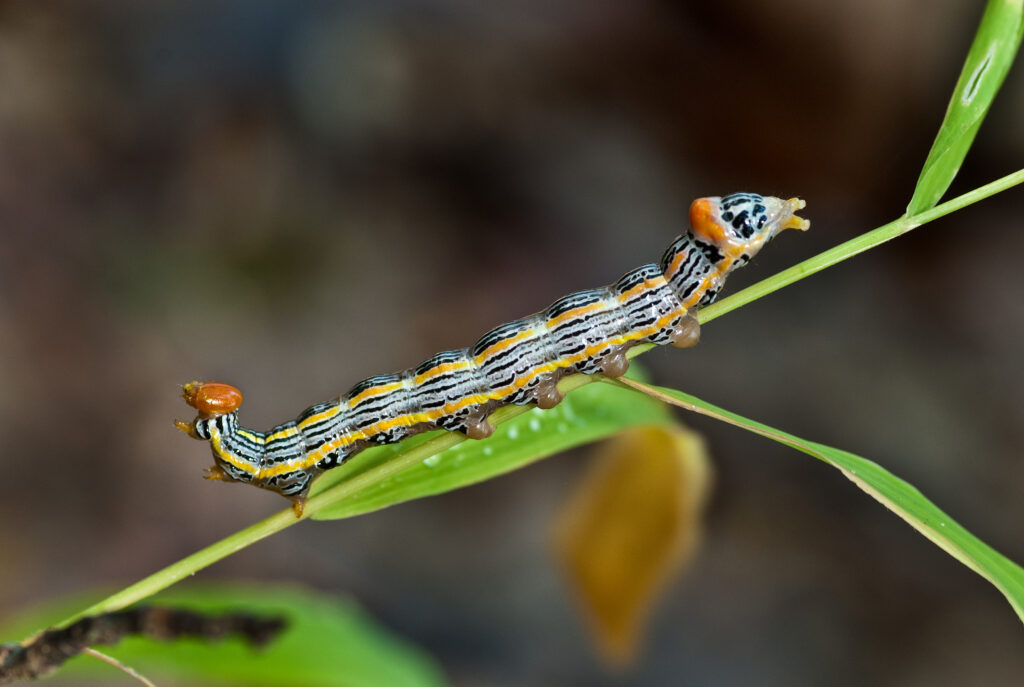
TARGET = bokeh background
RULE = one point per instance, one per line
(293, 196)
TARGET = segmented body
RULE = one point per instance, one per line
(518, 363)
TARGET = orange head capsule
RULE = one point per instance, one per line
(212, 398)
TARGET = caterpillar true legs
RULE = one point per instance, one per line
(519, 362)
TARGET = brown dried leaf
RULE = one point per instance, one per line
(630, 527)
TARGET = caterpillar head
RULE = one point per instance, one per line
(740, 223)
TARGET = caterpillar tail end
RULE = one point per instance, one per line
(795, 222)
(188, 428)
(216, 473)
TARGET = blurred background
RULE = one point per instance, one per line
(293, 196)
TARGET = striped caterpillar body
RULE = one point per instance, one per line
(517, 363)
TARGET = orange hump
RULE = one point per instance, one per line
(212, 398)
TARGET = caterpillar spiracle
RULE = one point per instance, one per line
(519, 362)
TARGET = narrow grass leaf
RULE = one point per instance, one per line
(989, 60)
(892, 492)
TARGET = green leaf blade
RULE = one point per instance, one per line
(988, 62)
(899, 496)
(590, 413)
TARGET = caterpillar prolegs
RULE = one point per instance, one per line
(517, 363)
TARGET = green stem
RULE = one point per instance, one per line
(286, 518)
(189, 565)
(853, 247)
(275, 523)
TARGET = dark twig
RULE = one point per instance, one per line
(47, 651)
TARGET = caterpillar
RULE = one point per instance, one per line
(519, 362)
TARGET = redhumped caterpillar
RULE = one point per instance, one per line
(517, 363)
